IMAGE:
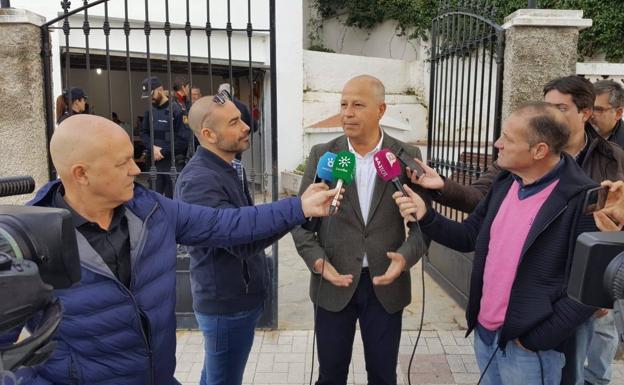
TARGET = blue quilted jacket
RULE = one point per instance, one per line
(100, 339)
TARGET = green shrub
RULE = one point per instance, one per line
(414, 19)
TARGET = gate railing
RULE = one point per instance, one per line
(465, 99)
(120, 42)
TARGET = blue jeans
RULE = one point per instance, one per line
(602, 349)
(516, 366)
(227, 343)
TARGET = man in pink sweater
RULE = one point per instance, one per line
(521, 235)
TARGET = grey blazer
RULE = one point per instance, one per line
(345, 243)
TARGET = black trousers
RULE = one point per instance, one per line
(164, 183)
(381, 334)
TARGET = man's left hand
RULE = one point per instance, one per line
(397, 265)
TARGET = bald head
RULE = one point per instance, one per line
(94, 158)
(202, 114)
(371, 84)
(82, 139)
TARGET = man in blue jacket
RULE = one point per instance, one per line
(228, 283)
(522, 234)
(118, 325)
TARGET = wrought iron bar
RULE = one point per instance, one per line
(86, 28)
(172, 143)
(252, 128)
(106, 28)
(208, 30)
(128, 67)
(46, 55)
(229, 42)
(65, 4)
(432, 91)
(274, 165)
(188, 30)
(147, 29)
(471, 168)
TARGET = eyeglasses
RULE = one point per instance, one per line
(601, 110)
(222, 97)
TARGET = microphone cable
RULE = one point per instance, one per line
(422, 311)
(318, 292)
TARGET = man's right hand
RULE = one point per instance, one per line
(316, 199)
(157, 153)
(412, 206)
(611, 217)
(331, 274)
(430, 179)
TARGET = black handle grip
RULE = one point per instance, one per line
(16, 185)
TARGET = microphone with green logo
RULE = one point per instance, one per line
(343, 172)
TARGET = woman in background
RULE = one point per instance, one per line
(69, 103)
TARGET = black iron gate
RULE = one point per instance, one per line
(107, 47)
(465, 102)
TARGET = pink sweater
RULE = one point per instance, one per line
(507, 236)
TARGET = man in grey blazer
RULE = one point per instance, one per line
(364, 248)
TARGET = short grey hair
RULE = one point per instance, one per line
(615, 91)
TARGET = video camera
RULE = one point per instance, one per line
(38, 253)
(597, 273)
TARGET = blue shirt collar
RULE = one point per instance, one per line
(540, 184)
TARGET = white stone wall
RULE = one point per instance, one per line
(599, 71)
(382, 41)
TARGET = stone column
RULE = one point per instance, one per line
(23, 149)
(541, 44)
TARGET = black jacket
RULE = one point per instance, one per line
(223, 280)
(617, 135)
(540, 313)
(162, 130)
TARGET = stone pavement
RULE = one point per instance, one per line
(283, 356)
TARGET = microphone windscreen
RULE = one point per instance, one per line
(344, 167)
(387, 165)
(324, 168)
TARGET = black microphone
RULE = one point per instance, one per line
(16, 185)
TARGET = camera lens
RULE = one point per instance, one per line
(8, 244)
(5, 262)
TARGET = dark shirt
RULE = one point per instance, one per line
(113, 245)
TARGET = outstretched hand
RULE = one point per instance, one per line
(396, 267)
(316, 199)
(430, 179)
(331, 274)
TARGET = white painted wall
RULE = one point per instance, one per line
(289, 21)
(382, 41)
(598, 71)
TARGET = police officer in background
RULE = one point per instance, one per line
(160, 113)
